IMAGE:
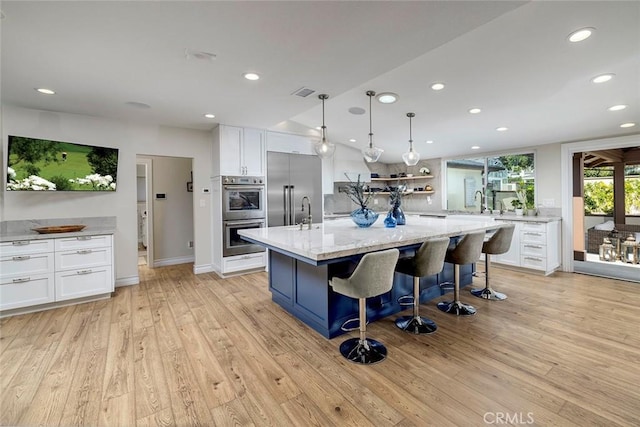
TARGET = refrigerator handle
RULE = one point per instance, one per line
(285, 198)
(292, 213)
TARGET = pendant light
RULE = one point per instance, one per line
(371, 154)
(323, 148)
(411, 157)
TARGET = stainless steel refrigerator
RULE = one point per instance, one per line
(290, 177)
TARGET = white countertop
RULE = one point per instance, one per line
(341, 237)
(510, 216)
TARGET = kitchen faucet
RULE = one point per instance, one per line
(306, 220)
(482, 207)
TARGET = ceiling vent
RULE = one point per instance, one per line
(303, 92)
(200, 55)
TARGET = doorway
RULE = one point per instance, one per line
(144, 174)
(574, 234)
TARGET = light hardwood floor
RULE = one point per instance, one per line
(181, 349)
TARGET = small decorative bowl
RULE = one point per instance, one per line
(409, 175)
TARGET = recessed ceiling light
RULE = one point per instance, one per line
(502, 129)
(428, 141)
(617, 107)
(352, 140)
(46, 91)
(437, 86)
(251, 76)
(210, 116)
(602, 78)
(318, 127)
(136, 104)
(581, 34)
(475, 110)
(387, 97)
(627, 125)
(475, 147)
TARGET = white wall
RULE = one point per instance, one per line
(548, 175)
(132, 139)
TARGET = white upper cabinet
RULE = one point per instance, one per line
(289, 143)
(238, 151)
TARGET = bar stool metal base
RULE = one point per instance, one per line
(363, 352)
(488, 293)
(416, 325)
(457, 308)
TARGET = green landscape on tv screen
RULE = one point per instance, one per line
(43, 165)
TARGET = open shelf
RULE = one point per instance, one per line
(406, 193)
(403, 178)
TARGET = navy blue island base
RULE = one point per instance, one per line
(302, 288)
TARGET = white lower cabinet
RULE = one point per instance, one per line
(535, 245)
(35, 272)
(232, 264)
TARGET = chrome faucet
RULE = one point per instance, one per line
(482, 207)
(306, 220)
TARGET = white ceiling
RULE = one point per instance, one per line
(512, 59)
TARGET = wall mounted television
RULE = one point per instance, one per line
(43, 165)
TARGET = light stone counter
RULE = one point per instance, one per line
(23, 229)
(341, 238)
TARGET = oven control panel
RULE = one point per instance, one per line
(243, 180)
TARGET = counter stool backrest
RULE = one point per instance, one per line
(500, 242)
(429, 258)
(467, 250)
(373, 275)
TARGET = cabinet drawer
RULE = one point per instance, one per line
(535, 237)
(534, 226)
(81, 283)
(26, 265)
(534, 250)
(535, 262)
(26, 291)
(83, 242)
(25, 247)
(83, 258)
(243, 262)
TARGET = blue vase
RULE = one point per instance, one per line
(364, 217)
(398, 215)
(390, 221)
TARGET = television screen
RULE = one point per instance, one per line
(43, 165)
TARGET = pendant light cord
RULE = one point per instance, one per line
(370, 94)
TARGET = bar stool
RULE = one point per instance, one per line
(428, 260)
(467, 251)
(372, 276)
(499, 243)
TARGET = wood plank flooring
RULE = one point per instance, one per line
(181, 349)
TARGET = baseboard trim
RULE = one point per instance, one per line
(200, 269)
(127, 281)
(173, 261)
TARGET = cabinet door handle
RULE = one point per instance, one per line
(532, 234)
(22, 280)
(20, 243)
(533, 246)
(84, 272)
(21, 258)
(83, 237)
(84, 252)
(530, 258)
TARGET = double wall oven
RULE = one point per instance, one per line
(243, 207)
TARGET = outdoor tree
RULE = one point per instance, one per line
(104, 161)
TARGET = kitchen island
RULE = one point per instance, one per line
(301, 263)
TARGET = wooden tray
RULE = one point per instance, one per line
(59, 229)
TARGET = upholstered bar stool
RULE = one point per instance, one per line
(467, 251)
(428, 260)
(372, 276)
(498, 243)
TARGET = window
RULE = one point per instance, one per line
(510, 182)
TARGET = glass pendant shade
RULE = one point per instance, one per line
(371, 153)
(323, 148)
(411, 157)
